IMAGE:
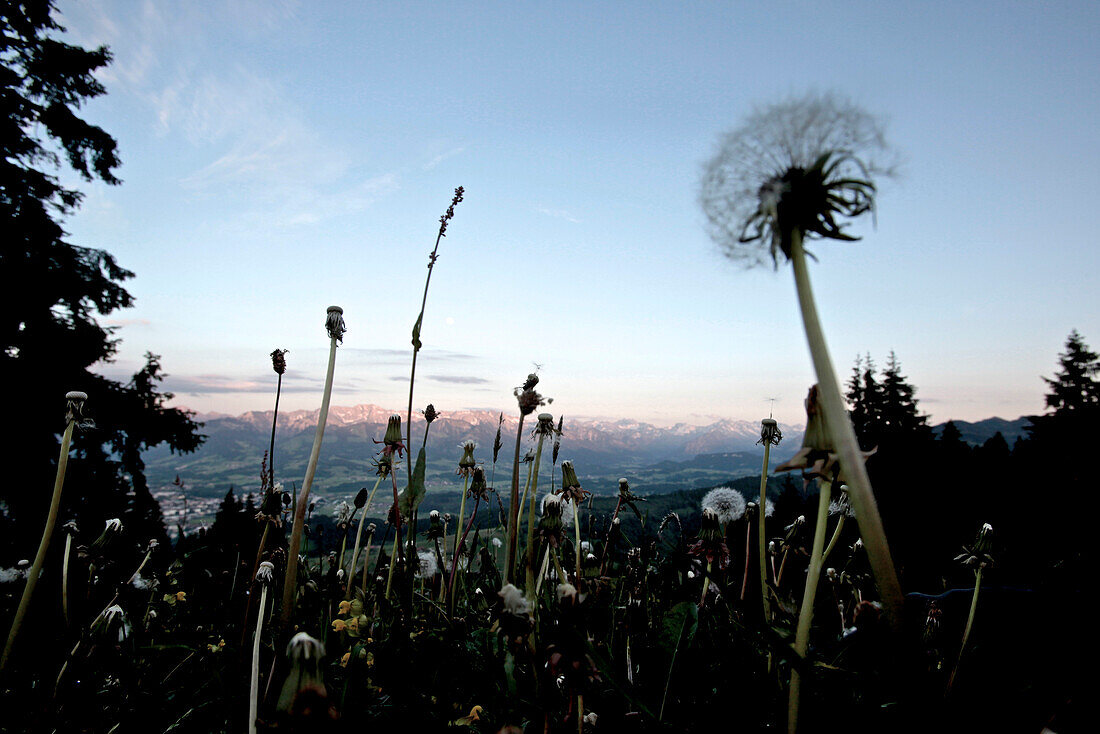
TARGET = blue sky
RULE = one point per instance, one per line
(280, 157)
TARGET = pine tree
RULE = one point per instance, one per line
(900, 419)
(52, 292)
(1075, 387)
(865, 401)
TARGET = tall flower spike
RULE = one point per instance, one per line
(335, 324)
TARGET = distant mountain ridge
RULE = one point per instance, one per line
(656, 459)
(599, 448)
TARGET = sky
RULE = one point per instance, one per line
(281, 157)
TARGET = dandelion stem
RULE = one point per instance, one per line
(706, 582)
(513, 512)
(271, 449)
(748, 547)
(966, 631)
(393, 560)
(844, 440)
(358, 536)
(761, 541)
(254, 690)
(806, 611)
(65, 579)
(461, 509)
(531, 549)
(290, 585)
(43, 546)
(577, 536)
(833, 540)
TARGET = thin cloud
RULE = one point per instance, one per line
(442, 157)
(558, 214)
(458, 379)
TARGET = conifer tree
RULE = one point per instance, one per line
(52, 292)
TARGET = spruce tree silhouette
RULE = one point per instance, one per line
(53, 293)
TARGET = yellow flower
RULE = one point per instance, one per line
(181, 596)
(345, 607)
(344, 660)
(352, 624)
(339, 625)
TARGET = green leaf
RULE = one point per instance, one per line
(678, 627)
(416, 332)
(413, 495)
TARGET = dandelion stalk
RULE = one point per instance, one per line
(358, 536)
(461, 510)
(335, 326)
(70, 531)
(769, 436)
(790, 172)
(75, 402)
(844, 438)
(806, 612)
(264, 576)
(545, 427)
(510, 549)
(977, 557)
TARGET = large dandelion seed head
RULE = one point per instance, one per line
(750, 174)
(728, 504)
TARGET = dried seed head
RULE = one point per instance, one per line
(430, 414)
(74, 409)
(467, 463)
(770, 433)
(361, 498)
(334, 324)
(278, 361)
(728, 504)
(545, 426)
(265, 574)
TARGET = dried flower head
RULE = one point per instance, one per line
(842, 505)
(795, 165)
(557, 439)
(393, 441)
(545, 425)
(265, 574)
(278, 361)
(343, 514)
(334, 324)
(466, 464)
(727, 504)
(770, 435)
(479, 488)
(497, 441)
(711, 543)
(571, 486)
(74, 409)
(430, 414)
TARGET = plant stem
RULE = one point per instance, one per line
(761, 542)
(254, 690)
(461, 509)
(844, 441)
(671, 665)
(358, 536)
(271, 449)
(966, 632)
(706, 582)
(834, 539)
(531, 549)
(393, 560)
(454, 563)
(290, 585)
(577, 537)
(806, 611)
(513, 512)
(43, 546)
(610, 529)
(748, 547)
(65, 579)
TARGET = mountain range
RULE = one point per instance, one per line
(655, 459)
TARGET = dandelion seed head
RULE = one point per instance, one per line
(728, 504)
(513, 600)
(497, 543)
(304, 647)
(428, 566)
